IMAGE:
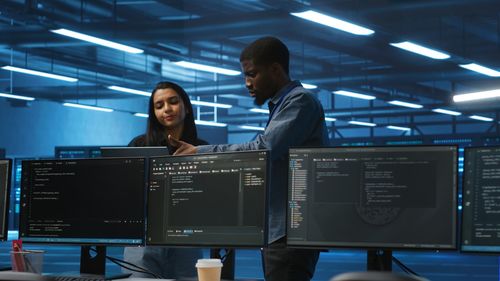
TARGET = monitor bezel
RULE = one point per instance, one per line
(88, 149)
(453, 247)
(224, 245)
(134, 151)
(5, 232)
(461, 228)
(95, 242)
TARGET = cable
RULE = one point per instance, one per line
(404, 267)
(137, 268)
(226, 254)
(126, 264)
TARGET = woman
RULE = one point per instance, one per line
(170, 113)
(173, 112)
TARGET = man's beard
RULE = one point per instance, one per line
(258, 100)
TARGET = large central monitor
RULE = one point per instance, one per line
(481, 200)
(83, 201)
(208, 200)
(373, 197)
(5, 179)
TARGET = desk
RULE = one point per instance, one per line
(195, 279)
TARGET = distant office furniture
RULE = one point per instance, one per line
(376, 276)
(375, 198)
(481, 190)
(88, 202)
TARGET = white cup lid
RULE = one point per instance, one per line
(209, 263)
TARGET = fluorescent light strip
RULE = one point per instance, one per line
(421, 50)
(330, 119)
(333, 22)
(477, 96)
(144, 115)
(207, 68)
(362, 123)
(445, 111)
(481, 69)
(16, 97)
(405, 104)
(98, 41)
(209, 123)
(309, 86)
(259, 110)
(253, 128)
(481, 118)
(39, 73)
(354, 95)
(130, 91)
(211, 104)
(398, 128)
(88, 107)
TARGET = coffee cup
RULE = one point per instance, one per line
(209, 269)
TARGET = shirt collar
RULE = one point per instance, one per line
(285, 90)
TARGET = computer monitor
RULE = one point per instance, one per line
(216, 200)
(98, 201)
(125, 151)
(5, 180)
(481, 200)
(399, 197)
(65, 152)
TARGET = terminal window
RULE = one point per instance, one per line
(389, 197)
(208, 199)
(94, 201)
(481, 200)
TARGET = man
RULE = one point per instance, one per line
(296, 118)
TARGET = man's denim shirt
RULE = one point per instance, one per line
(298, 120)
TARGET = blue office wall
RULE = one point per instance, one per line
(34, 130)
(212, 135)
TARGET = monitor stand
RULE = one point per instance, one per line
(93, 262)
(228, 263)
(379, 260)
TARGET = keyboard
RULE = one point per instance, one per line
(78, 278)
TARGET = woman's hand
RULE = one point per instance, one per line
(183, 148)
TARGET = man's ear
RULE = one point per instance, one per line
(276, 68)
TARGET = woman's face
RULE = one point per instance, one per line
(169, 108)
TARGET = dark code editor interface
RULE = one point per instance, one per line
(212, 199)
(402, 197)
(83, 201)
(481, 200)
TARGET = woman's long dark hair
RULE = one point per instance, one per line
(155, 134)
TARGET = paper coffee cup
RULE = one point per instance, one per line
(209, 269)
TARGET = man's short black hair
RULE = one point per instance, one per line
(265, 51)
